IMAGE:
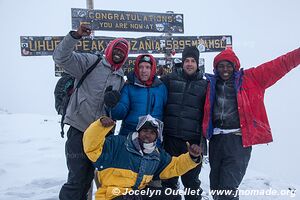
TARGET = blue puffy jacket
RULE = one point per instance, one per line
(138, 100)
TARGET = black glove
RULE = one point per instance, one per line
(111, 97)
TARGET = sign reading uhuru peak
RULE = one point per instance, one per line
(128, 21)
(45, 45)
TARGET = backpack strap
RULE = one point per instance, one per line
(62, 124)
(88, 71)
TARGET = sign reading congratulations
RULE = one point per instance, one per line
(128, 21)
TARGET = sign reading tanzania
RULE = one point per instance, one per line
(128, 21)
(45, 45)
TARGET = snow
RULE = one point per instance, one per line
(261, 31)
(32, 157)
(33, 165)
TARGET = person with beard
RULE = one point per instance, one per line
(142, 94)
(86, 103)
(129, 163)
(235, 117)
(183, 115)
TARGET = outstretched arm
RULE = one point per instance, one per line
(270, 72)
(94, 138)
(177, 166)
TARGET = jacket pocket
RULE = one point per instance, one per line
(123, 178)
(78, 106)
(261, 127)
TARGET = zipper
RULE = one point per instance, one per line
(223, 103)
(184, 94)
(148, 101)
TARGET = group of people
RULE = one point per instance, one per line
(166, 122)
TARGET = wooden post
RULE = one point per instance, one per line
(90, 5)
(168, 53)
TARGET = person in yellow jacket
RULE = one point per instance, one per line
(127, 164)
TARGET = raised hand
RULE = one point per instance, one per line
(194, 150)
(84, 30)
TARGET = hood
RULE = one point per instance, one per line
(153, 68)
(109, 50)
(159, 125)
(227, 55)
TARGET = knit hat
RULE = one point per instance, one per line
(121, 45)
(149, 125)
(145, 58)
(191, 52)
(227, 55)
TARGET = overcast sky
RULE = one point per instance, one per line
(261, 31)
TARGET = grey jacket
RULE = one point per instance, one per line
(86, 104)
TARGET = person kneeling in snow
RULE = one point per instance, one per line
(127, 164)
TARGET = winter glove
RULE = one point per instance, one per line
(111, 97)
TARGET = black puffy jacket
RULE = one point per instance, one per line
(184, 110)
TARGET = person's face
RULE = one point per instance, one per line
(144, 71)
(118, 56)
(147, 135)
(225, 70)
(190, 66)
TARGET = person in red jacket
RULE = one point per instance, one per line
(235, 117)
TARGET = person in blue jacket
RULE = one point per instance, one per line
(142, 94)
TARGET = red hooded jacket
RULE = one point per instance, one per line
(250, 86)
(153, 68)
(109, 50)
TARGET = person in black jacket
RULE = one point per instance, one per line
(183, 114)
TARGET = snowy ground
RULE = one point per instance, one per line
(32, 164)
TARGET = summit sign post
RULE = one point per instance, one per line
(45, 45)
(108, 20)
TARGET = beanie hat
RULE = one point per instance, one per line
(191, 52)
(145, 58)
(227, 55)
(121, 45)
(149, 125)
